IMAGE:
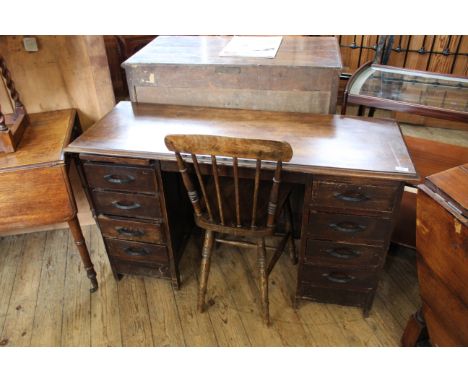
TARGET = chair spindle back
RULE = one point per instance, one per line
(234, 149)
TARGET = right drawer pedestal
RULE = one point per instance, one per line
(346, 229)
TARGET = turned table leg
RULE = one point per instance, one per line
(83, 250)
(414, 329)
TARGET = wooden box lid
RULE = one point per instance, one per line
(452, 186)
(294, 51)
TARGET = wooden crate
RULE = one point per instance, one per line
(303, 77)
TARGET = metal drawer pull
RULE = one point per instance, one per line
(134, 251)
(129, 231)
(351, 196)
(348, 227)
(343, 253)
(118, 179)
(339, 278)
(120, 206)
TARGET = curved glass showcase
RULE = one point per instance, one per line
(399, 89)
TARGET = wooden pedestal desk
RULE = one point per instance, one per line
(348, 172)
(34, 185)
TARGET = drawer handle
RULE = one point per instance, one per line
(339, 278)
(130, 232)
(118, 179)
(343, 253)
(134, 251)
(351, 196)
(348, 227)
(121, 206)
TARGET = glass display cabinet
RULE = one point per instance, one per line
(424, 93)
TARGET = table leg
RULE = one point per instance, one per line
(83, 250)
(414, 329)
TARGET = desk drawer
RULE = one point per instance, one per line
(332, 253)
(140, 268)
(137, 252)
(348, 228)
(120, 178)
(354, 196)
(341, 278)
(123, 204)
(333, 295)
(130, 229)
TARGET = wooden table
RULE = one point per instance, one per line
(34, 185)
(442, 245)
(348, 173)
(188, 70)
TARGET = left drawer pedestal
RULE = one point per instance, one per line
(127, 199)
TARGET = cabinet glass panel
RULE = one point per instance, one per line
(417, 88)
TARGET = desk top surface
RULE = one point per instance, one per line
(43, 141)
(331, 144)
(318, 52)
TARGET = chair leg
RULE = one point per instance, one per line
(263, 280)
(205, 268)
(290, 233)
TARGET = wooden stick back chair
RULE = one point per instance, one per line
(214, 217)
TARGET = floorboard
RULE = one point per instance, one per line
(47, 326)
(21, 307)
(45, 301)
(105, 313)
(76, 320)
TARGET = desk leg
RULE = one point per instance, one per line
(83, 250)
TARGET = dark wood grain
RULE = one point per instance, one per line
(334, 253)
(345, 195)
(132, 229)
(349, 228)
(140, 252)
(363, 161)
(366, 147)
(338, 277)
(124, 204)
(140, 208)
(120, 178)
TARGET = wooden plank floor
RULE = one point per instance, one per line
(45, 301)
